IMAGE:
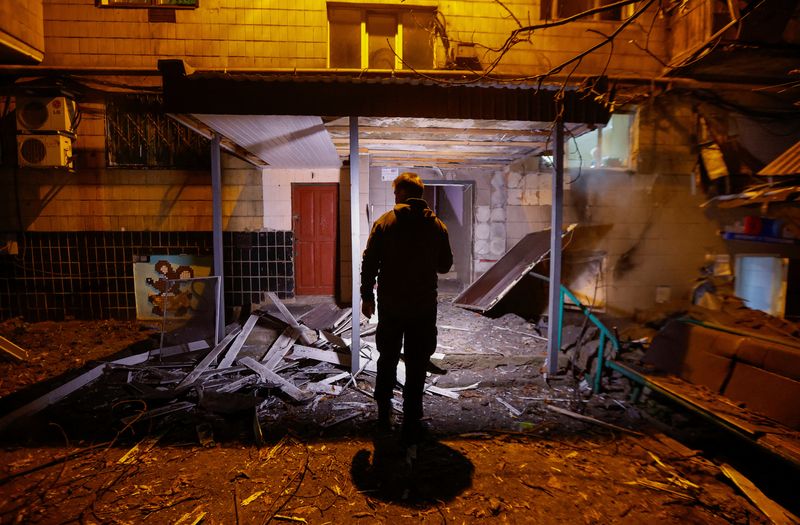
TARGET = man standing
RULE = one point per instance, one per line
(406, 248)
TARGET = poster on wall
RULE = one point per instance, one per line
(158, 292)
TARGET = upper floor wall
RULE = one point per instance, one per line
(266, 34)
(21, 32)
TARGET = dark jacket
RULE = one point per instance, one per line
(406, 248)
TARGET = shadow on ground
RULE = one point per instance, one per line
(438, 473)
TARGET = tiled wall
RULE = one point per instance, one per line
(257, 262)
(90, 274)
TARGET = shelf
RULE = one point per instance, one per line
(731, 236)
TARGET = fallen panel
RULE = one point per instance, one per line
(289, 318)
(325, 316)
(12, 350)
(238, 343)
(487, 290)
(84, 379)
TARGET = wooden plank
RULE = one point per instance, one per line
(238, 343)
(12, 350)
(332, 379)
(335, 340)
(268, 376)
(326, 356)
(777, 514)
(192, 376)
(233, 386)
(323, 388)
(325, 316)
(731, 415)
(433, 389)
(287, 315)
(592, 420)
(280, 347)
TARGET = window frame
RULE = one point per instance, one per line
(625, 12)
(365, 10)
(151, 4)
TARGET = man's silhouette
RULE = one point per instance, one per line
(406, 248)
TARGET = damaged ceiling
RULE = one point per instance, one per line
(403, 121)
(294, 142)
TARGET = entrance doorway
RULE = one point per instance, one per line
(452, 201)
(315, 220)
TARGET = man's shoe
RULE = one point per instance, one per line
(383, 425)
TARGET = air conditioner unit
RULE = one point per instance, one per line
(44, 151)
(46, 114)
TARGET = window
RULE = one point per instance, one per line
(148, 3)
(761, 282)
(556, 9)
(140, 135)
(380, 38)
(607, 147)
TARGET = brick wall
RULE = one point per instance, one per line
(96, 198)
(645, 225)
(22, 30)
(287, 34)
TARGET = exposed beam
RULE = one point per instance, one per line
(225, 143)
(422, 142)
(341, 131)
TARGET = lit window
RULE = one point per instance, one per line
(607, 147)
(556, 9)
(148, 3)
(379, 38)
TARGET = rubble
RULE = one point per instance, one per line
(273, 353)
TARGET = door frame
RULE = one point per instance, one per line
(336, 241)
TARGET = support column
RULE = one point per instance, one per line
(216, 200)
(355, 245)
(556, 219)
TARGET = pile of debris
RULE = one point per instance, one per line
(273, 356)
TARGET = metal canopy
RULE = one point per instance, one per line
(234, 93)
(245, 93)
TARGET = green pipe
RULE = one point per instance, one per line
(600, 359)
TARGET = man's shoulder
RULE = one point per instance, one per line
(386, 218)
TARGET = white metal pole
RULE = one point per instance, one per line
(216, 198)
(355, 240)
(556, 219)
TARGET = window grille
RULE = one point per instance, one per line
(140, 135)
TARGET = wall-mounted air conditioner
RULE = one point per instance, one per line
(44, 151)
(46, 114)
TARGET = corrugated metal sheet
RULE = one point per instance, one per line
(282, 141)
(367, 95)
(787, 163)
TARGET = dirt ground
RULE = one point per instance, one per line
(499, 454)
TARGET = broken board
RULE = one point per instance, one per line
(487, 290)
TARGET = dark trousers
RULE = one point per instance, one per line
(418, 331)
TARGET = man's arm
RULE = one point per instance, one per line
(370, 264)
(445, 260)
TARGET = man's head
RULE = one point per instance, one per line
(407, 186)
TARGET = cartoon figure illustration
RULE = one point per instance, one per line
(170, 296)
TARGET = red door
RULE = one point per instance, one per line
(315, 216)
